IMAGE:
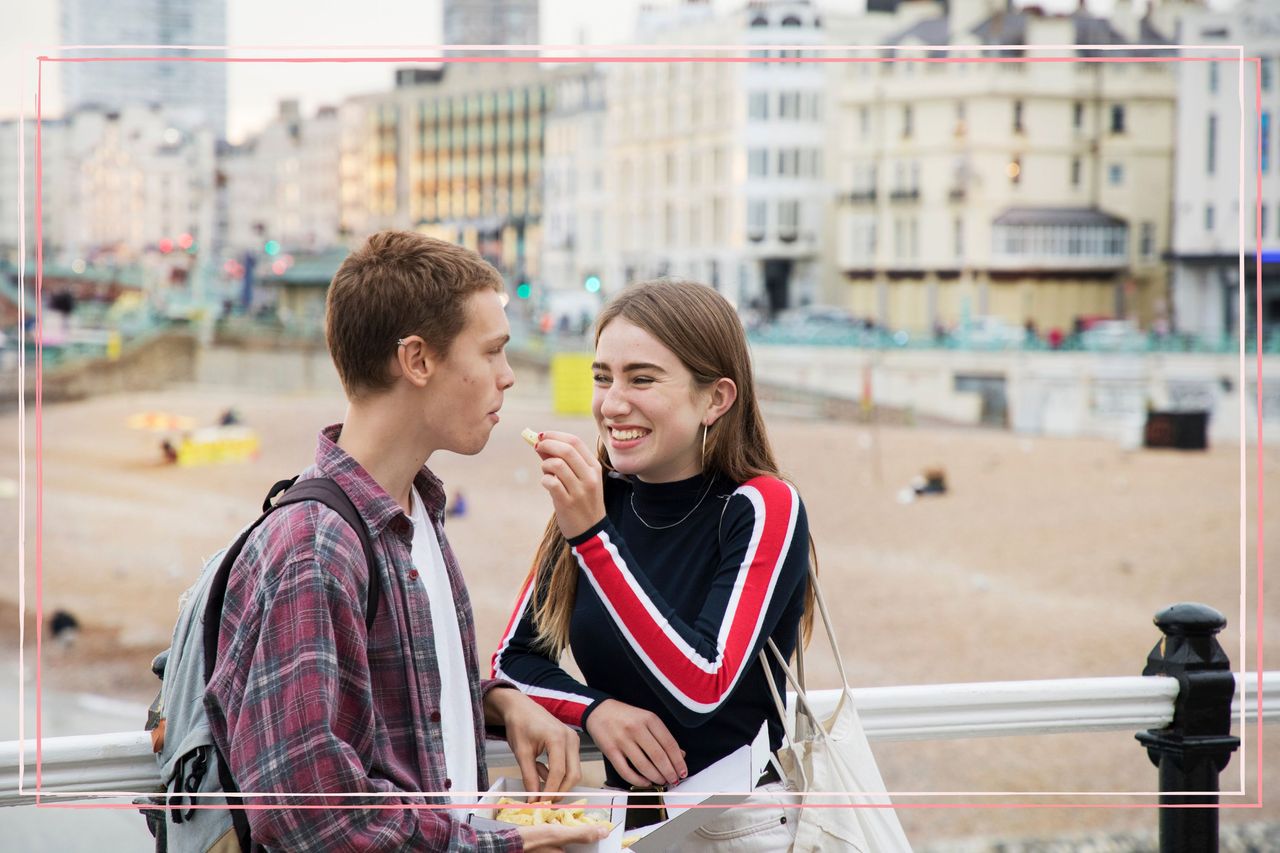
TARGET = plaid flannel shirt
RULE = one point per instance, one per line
(305, 701)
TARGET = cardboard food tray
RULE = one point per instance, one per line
(736, 773)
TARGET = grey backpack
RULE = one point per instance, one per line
(193, 771)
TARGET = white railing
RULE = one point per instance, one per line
(115, 764)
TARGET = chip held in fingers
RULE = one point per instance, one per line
(530, 436)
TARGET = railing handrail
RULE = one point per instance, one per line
(114, 764)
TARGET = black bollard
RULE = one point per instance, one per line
(1192, 750)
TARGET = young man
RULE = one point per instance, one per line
(304, 700)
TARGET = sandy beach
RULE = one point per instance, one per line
(1045, 559)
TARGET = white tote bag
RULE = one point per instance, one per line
(831, 754)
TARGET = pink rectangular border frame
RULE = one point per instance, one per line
(440, 57)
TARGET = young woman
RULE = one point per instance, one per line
(674, 553)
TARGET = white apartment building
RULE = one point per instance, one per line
(14, 197)
(128, 183)
(1027, 191)
(193, 94)
(575, 203)
(283, 184)
(715, 170)
(1212, 222)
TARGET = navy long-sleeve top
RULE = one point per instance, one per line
(671, 619)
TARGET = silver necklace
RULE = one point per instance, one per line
(707, 491)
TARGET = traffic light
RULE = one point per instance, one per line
(592, 284)
(523, 290)
(271, 247)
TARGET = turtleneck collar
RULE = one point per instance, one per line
(663, 502)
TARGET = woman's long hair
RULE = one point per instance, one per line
(701, 328)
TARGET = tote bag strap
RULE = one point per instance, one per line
(782, 718)
(802, 700)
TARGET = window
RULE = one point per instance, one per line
(1213, 76)
(864, 121)
(1262, 219)
(1264, 143)
(758, 162)
(1211, 145)
(789, 162)
(1077, 116)
(1076, 167)
(1147, 242)
(756, 214)
(1117, 118)
(788, 219)
(906, 122)
(789, 105)
(957, 237)
(1115, 174)
(1265, 72)
(1017, 117)
(1208, 217)
(758, 105)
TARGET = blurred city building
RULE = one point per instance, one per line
(282, 184)
(130, 187)
(18, 186)
(715, 169)
(1209, 223)
(1032, 192)
(193, 94)
(576, 205)
(491, 22)
(455, 152)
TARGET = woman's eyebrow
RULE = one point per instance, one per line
(631, 368)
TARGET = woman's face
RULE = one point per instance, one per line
(647, 406)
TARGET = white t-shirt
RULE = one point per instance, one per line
(457, 723)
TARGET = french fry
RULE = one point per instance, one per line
(530, 436)
(539, 813)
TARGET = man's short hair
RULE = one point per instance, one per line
(398, 283)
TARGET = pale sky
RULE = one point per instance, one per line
(255, 89)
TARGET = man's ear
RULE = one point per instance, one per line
(724, 393)
(414, 361)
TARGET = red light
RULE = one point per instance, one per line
(166, 246)
(185, 241)
(278, 267)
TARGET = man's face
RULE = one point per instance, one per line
(468, 383)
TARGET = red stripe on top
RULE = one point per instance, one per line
(511, 626)
(567, 712)
(653, 637)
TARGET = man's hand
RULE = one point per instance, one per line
(626, 733)
(553, 838)
(531, 730)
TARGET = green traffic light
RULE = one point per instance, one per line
(592, 284)
(523, 290)
(271, 247)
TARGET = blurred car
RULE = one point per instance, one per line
(1113, 336)
(989, 333)
(818, 316)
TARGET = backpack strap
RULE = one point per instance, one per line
(283, 493)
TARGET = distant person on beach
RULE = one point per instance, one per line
(674, 552)
(304, 700)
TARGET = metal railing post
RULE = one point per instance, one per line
(1192, 750)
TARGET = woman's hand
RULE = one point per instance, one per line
(571, 474)
(632, 737)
